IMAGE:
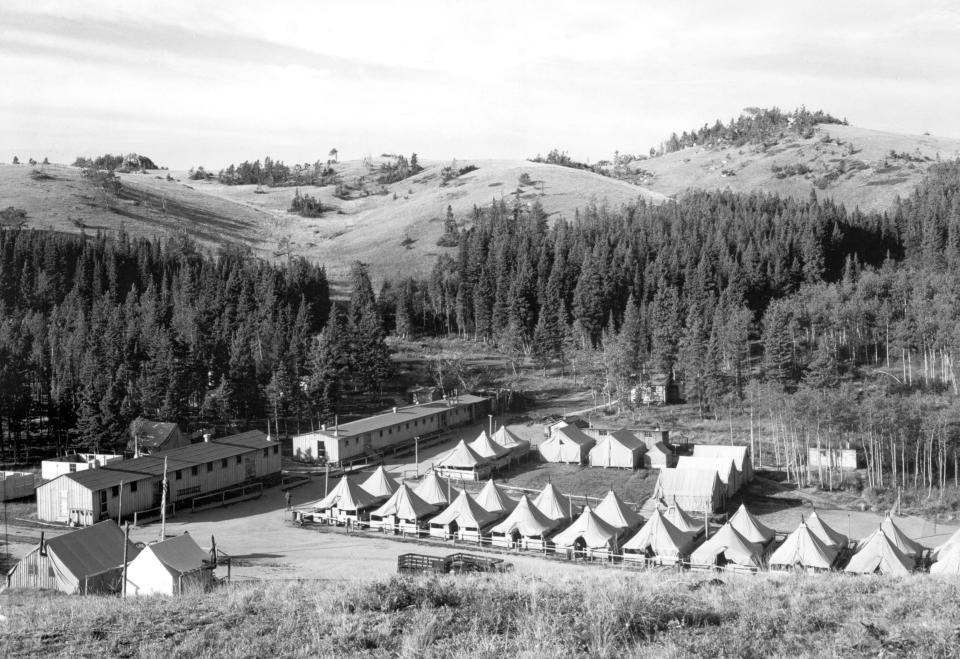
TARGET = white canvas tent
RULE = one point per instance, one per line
(948, 561)
(434, 489)
(464, 519)
(617, 514)
(910, 548)
(804, 549)
(553, 504)
(462, 462)
(684, 520)
(751, 528)
(724, 467)
(587, 533)
(494, 499)
(878, 554)
(695, 490)
(525, 527)
(740, 454)
(380, 484)
(659, 538)
(827, 535)
(728, 549)
(618, 449)
(567, 444)
(170, 567)
(952, 541)
(659, 456)
(345, 502)
(518, 447)
(485, 447)
(403, 512)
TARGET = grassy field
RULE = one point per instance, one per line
(867, 177)
(370, 227)
(658, 614)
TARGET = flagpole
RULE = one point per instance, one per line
(163, 503)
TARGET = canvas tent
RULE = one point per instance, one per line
(684, 520)
(567, 444)
(827, 535)
(485, 447)
(952, 541)
(494, 499)
(85, 561)
(659, 538)
(617, 514)
(403, 512)
(553, 504)
(659, 456)
(588, 533)
(379, 484)
(169, 568)
(347, 501)
(803, 548)
(463, 463)
(740, 454)
(464, 519)
(435, 490)
(617, 449)
(695, 490)
(518, 448)
(910, 548)
(948, 560)
(724, 467)
(750, 527)
(878, 554)
(728, 549)
(525, 527)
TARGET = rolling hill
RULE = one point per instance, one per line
(852, 165)
(394, 228)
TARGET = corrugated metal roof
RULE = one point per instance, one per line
(92, 549)
(402, 415)
(155, 433)
(150, 466)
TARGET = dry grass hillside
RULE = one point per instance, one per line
(605, 614)
(392, 227)
(850, 164)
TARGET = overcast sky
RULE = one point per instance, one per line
(210, 83)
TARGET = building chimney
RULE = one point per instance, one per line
(206, 436)
(394, 410)
(323, 427)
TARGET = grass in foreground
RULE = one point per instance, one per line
(602, 615)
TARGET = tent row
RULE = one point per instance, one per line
(620, 449)
(486, 454)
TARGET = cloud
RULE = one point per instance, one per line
(129, 43)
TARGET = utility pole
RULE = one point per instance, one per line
(126, 544)
(163, 503)
(416, 454)
(491, 424)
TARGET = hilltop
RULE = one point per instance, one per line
(855, 166)
(392, 227)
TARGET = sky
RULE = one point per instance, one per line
(210, 83)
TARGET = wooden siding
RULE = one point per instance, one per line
(33, 571)
(66, 501)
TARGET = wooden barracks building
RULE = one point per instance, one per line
(86, 497)
(390, 430)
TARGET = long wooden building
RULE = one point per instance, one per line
(119, 489)
(390, 430)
